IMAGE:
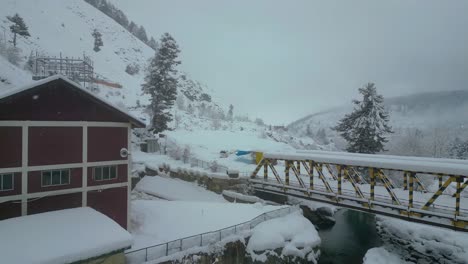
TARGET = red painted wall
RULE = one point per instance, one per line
(10, 146)
(10, 209)
(55, 145)
(53, 203)
(122, 176)
(111, 202)
(35, 181)
(105, 143)
(16, 186)
(54, 102)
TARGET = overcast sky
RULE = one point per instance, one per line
(282, 60)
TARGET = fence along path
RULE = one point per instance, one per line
(201, 240)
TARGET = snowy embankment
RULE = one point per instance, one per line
(155, 222)
(291, 236)
(64, 236)
(175, 190)
(418, 242)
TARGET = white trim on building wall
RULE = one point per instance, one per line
(24, 169)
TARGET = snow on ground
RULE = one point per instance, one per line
(294, 233)
(380, 255)
(62, 236)
(206, 145)
(176, 189)
(155, 222)
(65, 27)
(12, 76)
(427, 240)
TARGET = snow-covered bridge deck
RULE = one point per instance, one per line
(362, 182)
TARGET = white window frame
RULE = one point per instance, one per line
(51, 173)
(102, 173)
(12, 182)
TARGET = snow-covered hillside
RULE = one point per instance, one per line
(65, 27)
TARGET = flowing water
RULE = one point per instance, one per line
(349, 239)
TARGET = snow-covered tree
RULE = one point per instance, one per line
(142, 34)
(321, 136)
(97, 40)
(153, 44)
(309, 131)
(18, 27)
(458, 149)
(161, 82)
(230, 114)
(133, 28)
(365, 129)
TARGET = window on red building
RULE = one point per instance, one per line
(105, 173)
(55, 177)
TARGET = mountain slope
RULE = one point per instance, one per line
(434, 114)
(65, 27)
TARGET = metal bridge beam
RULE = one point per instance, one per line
(438, 193)
(298, 175)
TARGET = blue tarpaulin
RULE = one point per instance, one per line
(242, 152)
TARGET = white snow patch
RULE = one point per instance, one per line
(294, 233)
(154, 222)
(175, 189)
(60, 237)
(380, 255)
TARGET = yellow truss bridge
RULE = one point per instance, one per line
(362, 182)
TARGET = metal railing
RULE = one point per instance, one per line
(201, 240)
(212, 166)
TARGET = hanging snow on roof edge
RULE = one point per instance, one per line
(416, 164)
(63, 236)
(34, 84)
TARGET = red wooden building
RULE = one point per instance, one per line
(61, 147)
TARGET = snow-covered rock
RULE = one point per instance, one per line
(288, 237)
(380, 255)
(422, 243)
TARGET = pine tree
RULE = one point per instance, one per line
(153, 44)
(366, 127)
(142, 34)
(309, 131)
(97, 40)
(161, 82)
(230, 114)
(133, 28)
(18, 27)
(458, 149)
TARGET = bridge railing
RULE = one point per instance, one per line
(324, 173)
(202, 240)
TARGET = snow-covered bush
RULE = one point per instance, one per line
(132, 69)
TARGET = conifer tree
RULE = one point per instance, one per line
(18, 27)
(161, 82)
(97, 40)
(230, 115)
(365, 129)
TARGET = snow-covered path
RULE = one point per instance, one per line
(176, 190)
(155, 222)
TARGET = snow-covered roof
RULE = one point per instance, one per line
(417, 164)
(60, 237)
(133, 119)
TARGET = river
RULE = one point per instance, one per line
(349, 239)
